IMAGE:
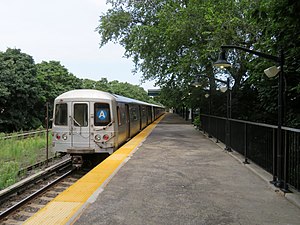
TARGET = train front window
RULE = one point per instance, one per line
(80, 115)
(61, 114)
(102, 114)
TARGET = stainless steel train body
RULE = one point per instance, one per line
(86, 122)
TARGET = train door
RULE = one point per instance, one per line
(141, 117)
(149, 114)
(79, 125)
(127, 122)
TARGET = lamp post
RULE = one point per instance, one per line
(228, 107)
(228, 113)
(278, 178)
(208, 96)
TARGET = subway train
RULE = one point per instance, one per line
(87, 122)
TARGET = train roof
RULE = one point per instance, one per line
(84, 94)
(120, 98)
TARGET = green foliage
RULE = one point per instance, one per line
(129, 90)
(8, 174)
(26, 87)
(16, 154)
(197, 121)
(21, 91)
(103, 85)
(172, 41)
(55, 79)
(119, 88)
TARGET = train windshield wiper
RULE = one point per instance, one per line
(103, 128)
(75, 121)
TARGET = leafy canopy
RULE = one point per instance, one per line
(172, 41)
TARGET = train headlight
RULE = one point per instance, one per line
(105, 137)
(97, 137)
(64, 137)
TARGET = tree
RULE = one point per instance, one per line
(129, 90)
(88, 84)
(20, 91)
(171, 41)
(54, 80)
(279, 23)
(119, 88)
(103, 85)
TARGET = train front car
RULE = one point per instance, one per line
(83, 124)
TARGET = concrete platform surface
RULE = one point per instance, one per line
(178, 176)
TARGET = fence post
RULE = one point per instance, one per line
(285, 165)
(245, 145)
(274, 158)
(47, 133)
(217, 131)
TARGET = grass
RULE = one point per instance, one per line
(16, 154)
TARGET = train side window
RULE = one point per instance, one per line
(123, 115)
(81, 115)
(143, 111)
(134, 113)
(61, 114)
(119, 116)
(102, 114)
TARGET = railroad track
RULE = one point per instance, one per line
(39, 164)
(22, 200)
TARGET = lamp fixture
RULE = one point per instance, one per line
(223, 89)
(196, 82)
(222, 62)
(272, 71)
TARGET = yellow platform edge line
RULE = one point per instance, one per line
(67, 206)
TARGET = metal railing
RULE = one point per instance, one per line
(23, 135)
(257, 142)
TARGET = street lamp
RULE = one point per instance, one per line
(228, 113)
(208, 96)
(273, 71)
(226, 89)
(222, 62)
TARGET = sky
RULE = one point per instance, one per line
(64, 31)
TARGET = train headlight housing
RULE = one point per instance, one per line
(57, 137)
(105, 137)
(97, 137)
(64, 137)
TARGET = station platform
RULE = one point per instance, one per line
(173, 174)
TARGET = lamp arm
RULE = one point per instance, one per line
(215, 79)
(221, 81)
(261, 54)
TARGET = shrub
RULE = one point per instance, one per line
(197, 121)
(8, 173)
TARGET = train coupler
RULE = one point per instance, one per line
(77, 161)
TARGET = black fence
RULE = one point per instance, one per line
(258, 142)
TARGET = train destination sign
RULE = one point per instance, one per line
(102, 114)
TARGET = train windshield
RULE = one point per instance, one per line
(61, 114)
(80, 115)
(102, 114)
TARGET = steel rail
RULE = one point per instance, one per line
(22, 185)
(32, 196)
(41, 163)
